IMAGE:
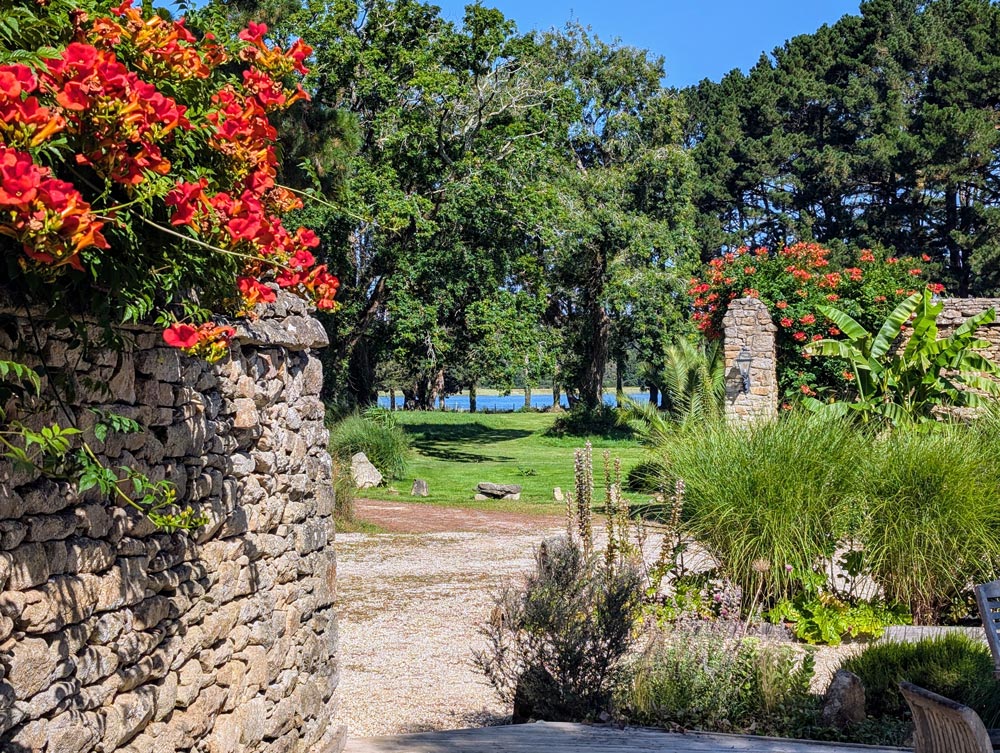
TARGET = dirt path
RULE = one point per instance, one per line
(409, 517)
(409, 605)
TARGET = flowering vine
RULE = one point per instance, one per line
(153, 136)
(137, 172)
(794, 282)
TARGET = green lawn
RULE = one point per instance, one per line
(455, 451)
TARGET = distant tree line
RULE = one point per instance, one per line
(880, 130)
(511, 208)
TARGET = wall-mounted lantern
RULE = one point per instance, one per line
(743, 361)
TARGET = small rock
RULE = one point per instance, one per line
(419, 488)
(844, 702)
(557, 495)
(365, 474)
(512, 497)
(481, 498)
(498, 491)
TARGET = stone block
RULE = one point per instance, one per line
(88, 556)
(95, 663)
(32, 664)
(160, 364)
(29, 567)
(245, 414)
(126, 717)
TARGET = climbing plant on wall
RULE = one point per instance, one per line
(138, 173)
(796, 282)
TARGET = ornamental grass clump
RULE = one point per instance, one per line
(378, 436)
(931, 516)
(769, 499)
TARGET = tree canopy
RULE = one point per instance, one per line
(881, 130)
(509, 208)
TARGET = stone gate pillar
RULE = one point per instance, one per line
(749, 333)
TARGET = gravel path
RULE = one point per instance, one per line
(409, 607)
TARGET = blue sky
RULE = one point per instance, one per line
(697, 39)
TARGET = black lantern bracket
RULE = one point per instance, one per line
(743, 361)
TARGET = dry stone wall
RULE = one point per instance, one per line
(115, 636)
(748, 324)
(957, 310)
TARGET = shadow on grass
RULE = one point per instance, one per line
(446, 442)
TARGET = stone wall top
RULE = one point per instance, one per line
(286, 323)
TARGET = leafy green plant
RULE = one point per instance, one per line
(954, 666)
(383, 442)
(693, 386)
(820, 616)
(693, 381)
(708, 680)
(909, 384)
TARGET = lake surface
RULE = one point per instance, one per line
(511, 402)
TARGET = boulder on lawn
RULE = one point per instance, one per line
(419, 488)
(365, 474)
(844, 702)
(499, 491)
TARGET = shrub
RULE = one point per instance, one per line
(954, 666)
(708, 680)
(769, 499)
(794, 282)
(382, 441)
(647, 476)
(583, 422)
(931, 516)
(556, 645)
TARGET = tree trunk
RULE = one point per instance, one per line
(392, 398)
(619, 379)
(438, 391)
(527, 395)
(361, 374)
(654, 394)
(556, 395)
(954, 250)
(592, 381)
(472, 397)
(421, 394)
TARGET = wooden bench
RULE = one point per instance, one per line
(988, 599)
(942, 725)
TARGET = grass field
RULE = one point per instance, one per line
(455, 451)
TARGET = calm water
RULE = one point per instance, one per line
(512, 402)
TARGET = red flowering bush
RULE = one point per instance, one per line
(794, 282)
(133, 162)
